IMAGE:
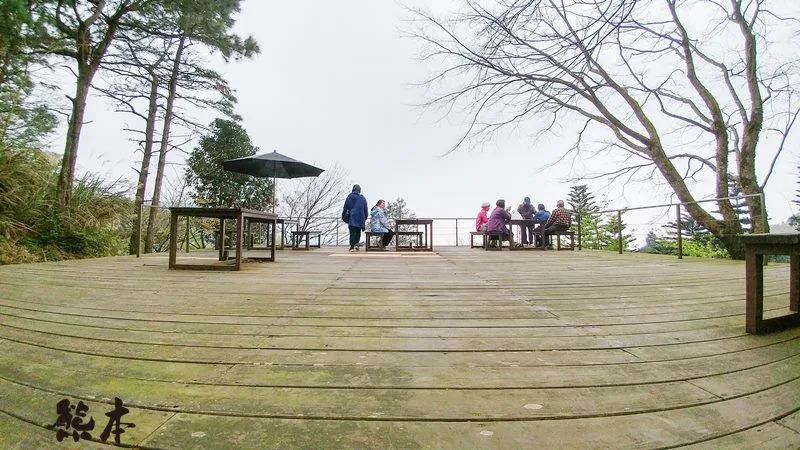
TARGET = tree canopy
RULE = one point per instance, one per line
(211, 184)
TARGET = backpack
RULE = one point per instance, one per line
(345, 214)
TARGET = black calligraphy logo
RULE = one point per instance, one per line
(71, 421)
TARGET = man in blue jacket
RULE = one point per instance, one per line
(355, 214)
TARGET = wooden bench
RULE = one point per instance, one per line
(558, 235)
(490, 236)
(368, 241)
(472, 235)
(756, 246)
(306, 235)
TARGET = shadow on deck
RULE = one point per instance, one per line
(459, 349)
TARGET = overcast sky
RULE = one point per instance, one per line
(335, 83)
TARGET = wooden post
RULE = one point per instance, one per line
(221, 239)
(239, 239)
(794, 286)
(680, 232)
(754, 291)
(173, 239)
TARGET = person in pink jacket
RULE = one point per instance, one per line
(483, 218)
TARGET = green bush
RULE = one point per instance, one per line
(705, 246)
(32, 228)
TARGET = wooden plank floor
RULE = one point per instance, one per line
(459, 349)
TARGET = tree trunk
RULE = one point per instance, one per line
(733, 244)
(164, 149)
(67, 174)
(144, 170)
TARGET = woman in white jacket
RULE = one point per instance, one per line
(379, 223)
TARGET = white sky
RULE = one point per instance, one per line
(334, 83)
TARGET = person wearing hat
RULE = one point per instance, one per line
(526, 210)
(355, 213)
(483, 218)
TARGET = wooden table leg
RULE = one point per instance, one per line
(173, 239)
(794, 280)
(239, 239)
(221, 238)
(274, 227)
(754, 288)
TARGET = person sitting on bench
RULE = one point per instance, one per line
(499, 220)
(379, 223)
(540, 217)
(557, 223)
(482, 219)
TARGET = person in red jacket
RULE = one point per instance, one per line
(483, 218)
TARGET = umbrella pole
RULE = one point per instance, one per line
(274, 186)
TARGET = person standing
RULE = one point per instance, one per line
(483, 218)
(558, 222)
(355, 214)
(526, 210)
(379, 223)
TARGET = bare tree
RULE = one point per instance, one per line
(676, 95)
(317, 202)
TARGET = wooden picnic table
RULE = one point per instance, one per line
(426, 239)
(756, 246)
(241, 216)
(521, 223)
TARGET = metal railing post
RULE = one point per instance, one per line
(619, 230)
(456, 232)
(680, 232)
(187, 234)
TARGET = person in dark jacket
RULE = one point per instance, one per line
(356, 211)
(526, 210)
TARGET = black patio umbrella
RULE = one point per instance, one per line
(272, 165)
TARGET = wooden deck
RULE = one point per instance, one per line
(459, 349)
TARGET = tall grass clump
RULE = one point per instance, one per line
(32, 228)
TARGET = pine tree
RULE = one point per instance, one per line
(398, 209)
(795, 219)
(581, 201)
(689, 228)
(657, 244)
(608, 238)
(739, 205)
